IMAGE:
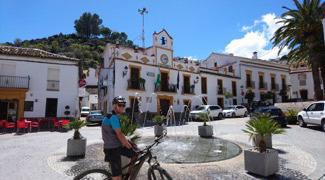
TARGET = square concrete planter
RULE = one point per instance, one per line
(159, 130)
(264, 164)
(205, 131)
(76, 147)
(268, 141)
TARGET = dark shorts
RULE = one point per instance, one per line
(113, 156)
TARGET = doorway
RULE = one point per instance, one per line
(3, 110)
(163, 104)
(220, 102)
(51, 107)
(304, 94)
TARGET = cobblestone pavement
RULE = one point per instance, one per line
(41, 155)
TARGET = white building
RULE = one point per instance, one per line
(220, 79)
(259, 76)
(36, 83)
(90, 95)
(302, 82)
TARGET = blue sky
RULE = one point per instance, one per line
(198, 27)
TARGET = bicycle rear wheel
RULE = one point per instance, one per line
(158, 173)
(94, 174)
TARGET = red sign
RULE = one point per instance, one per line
(82, 83)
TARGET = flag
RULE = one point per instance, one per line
(177, 80)
(158, 80)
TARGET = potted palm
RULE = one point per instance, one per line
(76, 144)
(159, 128)
(260, 160)
(205, 130)
(128, 128)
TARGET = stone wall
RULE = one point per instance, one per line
(298, 106)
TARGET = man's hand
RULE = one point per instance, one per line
(128, 145)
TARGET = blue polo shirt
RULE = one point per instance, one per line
(109, 124)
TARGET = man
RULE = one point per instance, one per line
(115, 142)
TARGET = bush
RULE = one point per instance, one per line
(158, 119)
(128, 128)
(291, 116)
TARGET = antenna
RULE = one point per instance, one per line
(143, 12)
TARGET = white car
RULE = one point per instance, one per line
(235, 111)
(214, 111)
(84, 111)
(314, 114)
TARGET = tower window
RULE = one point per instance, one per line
(163, 40)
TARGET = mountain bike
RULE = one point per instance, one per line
(155, 171)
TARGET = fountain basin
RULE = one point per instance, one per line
(192, 149)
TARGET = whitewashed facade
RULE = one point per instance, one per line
(35, 83)
(220, 79)
(90, 90)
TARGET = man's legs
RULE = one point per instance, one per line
(113, 156)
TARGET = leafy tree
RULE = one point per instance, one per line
(302, 33)
(105, 32)
(88, 25)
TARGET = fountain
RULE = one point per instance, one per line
(170, 116)
(147, 107)
(136, 95)
(185, 114)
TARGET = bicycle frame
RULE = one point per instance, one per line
(146, 156)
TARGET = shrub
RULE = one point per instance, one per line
(204, 117)
(76, 125)
(291, 116)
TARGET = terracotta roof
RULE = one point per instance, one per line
(31, 52)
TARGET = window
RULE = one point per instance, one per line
(215, 64)
(205, 100)
(28, 106)
(53, 79)
(248, 80)
(163, 40)
(311, 107)
(261, 81)
(220, 86)
(273, 86)
(319, 107)
(214, 108)
(204, 85)
(230, 69)
(234, 88)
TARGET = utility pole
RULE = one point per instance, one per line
(143, 12)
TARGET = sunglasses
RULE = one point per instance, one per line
(121, 105)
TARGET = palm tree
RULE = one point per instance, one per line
(302, 33)
(262, 125)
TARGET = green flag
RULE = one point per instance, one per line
(158, 80)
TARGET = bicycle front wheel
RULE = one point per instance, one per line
(158, 173)
(94, 174)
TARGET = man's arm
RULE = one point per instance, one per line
(120, 136)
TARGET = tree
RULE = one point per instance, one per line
(88, 25)
(302, 34)
(105, 32)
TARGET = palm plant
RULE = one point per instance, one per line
(262, 125)
(302, 34)
(76, 125)
(128, 128)
(158, 119)
(204, 117)
(291, 115)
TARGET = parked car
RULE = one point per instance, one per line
(95, 117)
(84, 111)
(235, 111)
(214, 111)
(314, 114)
(275, 113)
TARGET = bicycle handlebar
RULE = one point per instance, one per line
(157, 141)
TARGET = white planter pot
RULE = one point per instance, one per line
(268, 141)
(159, 130)
(264, 164)
(76, 147)
(205, 131)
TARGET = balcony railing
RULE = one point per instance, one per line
(14, 82)
(169, 88)
(53, 85)
(188, 89)
(136, 84)
(250, 84)
(262, 85)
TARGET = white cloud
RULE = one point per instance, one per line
(192, 58)
(257, 38)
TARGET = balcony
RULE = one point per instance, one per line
(172, 88)
(136, 84)
(188, 89)
(53, 85)
(250, 84)
(14, 82)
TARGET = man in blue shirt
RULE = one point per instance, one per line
(115, 142)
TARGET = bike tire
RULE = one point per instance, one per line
(162, 173)
(105, 174)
